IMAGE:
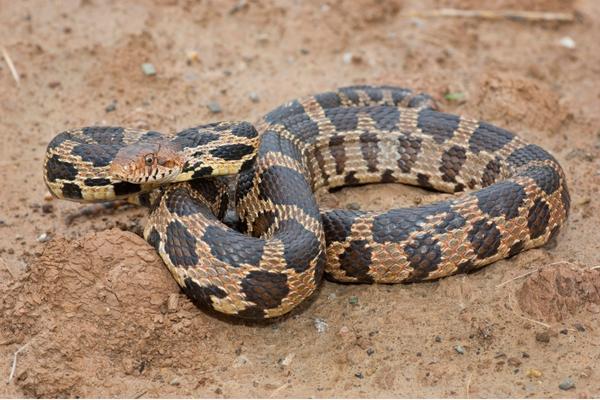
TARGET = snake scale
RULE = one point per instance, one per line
(517, 195)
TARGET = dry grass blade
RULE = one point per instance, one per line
(494, 14)
(13, 368)
(517, 277)
(11, 66)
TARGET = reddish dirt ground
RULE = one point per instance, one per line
(93, 311)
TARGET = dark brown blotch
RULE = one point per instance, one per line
(265, 289)
(356, 260)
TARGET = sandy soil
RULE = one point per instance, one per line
(89, 309)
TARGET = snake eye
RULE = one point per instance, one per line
(149, 159)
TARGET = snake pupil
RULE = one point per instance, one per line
(149, 159)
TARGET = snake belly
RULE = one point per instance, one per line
(517, 199)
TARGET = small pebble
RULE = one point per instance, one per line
(542, 337)
(353, 206)
(525, 355)
(44, 237)
(370, 351)
(253, 96)
(214, 107)
(353, 300)
(47, 208)
(579, 327)
(240, 360)
(148, 69)
(438, 339)
(359, 375)
(172, 302)
(459, 349)
(288, 359)
(111, 107)
(534, 373)
(192, 56)
(567, 42)
(564, 331)
(567, 384)
(320, 325)
(513, 362)
(348, 58)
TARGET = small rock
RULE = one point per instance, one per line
(534, 373)
(48, 196)
(148, 69)
(353, 300)
(241, 4)
(288, 359)
(320, 325)
(44, 237)
(438, 339)
(239, 361)
(262, 38)
(542, 337)
(564, 331)
(172, 302)
(353, 206)
(359, 375)
(214, 107)
(567, 384)
(513, 362)
(459, 349)
(175, 381)
(47, 208)
(18, 236)
(253, 96)
(192, 56)
(370, 351)
(579, 327)
(347, 58)
(331, 296)
(567, 42)
(53, 84)
(111, 107)
(343, 331)
(525, 355)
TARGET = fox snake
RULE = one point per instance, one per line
(517, 197)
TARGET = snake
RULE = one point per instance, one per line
(510, 195)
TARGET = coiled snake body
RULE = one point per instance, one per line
(355, 135)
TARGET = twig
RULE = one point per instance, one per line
(596, 267)
(534, 321)
(11, 66)
(517, 277)
(279, 389)
(140, 394)
(494, 14)
(14, 363)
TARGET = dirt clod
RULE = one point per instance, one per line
(558, 292)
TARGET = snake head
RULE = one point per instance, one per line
(147, 163)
